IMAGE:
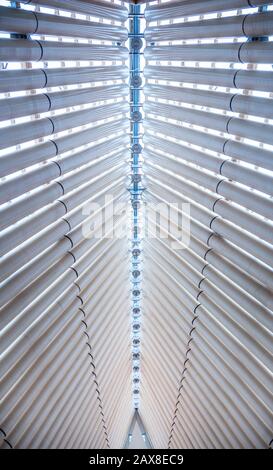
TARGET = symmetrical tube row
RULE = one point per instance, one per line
(32, 22)
(207, 368)
(101, 9)
(25, 50)
(254, 25)
(172, 9)
(65, 352)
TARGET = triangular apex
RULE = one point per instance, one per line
(137, 436)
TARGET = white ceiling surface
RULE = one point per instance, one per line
(206, 333)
